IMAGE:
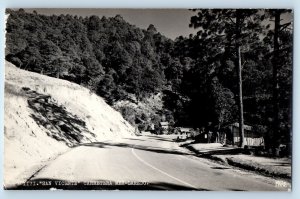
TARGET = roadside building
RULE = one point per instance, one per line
(251, 137)
(151, 128)
(164, 127)
(189, 132)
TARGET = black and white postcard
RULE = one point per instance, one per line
(148, 99)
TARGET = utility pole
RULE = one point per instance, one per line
(239, 72)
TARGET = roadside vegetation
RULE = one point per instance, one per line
(237, 68)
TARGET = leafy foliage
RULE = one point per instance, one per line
(109, 56)
(196, 74)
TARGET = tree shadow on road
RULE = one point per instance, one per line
(160, 138)
(283, 164)
(135, 146)
(220, 168)
(153, 138)
(135, 139)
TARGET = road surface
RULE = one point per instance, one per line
(142, 163)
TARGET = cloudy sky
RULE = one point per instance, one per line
(170, 22)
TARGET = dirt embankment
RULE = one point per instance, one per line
(45, 116)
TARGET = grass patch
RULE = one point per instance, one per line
(269, 170)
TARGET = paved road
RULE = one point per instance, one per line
(144, 162)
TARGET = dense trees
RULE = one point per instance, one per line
(234, 30)
(281, 67)
(108, 55)
(238, 67)
(239, 38)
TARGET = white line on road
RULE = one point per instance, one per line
(153, 167)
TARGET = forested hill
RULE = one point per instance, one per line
(113, 58)
(109, 55)
(195, 77)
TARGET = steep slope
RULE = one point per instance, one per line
(45, 116)
(142, 113)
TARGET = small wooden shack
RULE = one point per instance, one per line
(165, 127)
(251, 137)
(189, 132)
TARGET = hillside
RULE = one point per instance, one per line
(196, 76)
(45, 116)
(144, 113)
(113, 58)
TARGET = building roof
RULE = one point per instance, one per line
(164, 123)
(184, 129)
(246, 127)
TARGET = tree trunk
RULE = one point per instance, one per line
(240, 83)
(275, 81)
(58, 73)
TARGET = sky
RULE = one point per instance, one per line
(169, 22)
